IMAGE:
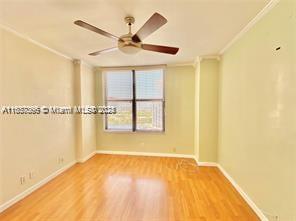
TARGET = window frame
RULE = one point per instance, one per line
(134, 100)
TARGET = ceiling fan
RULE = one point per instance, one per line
(132, 43)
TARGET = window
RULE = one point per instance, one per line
(138, 96)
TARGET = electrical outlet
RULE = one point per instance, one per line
(32, 174)
(60, 160)
(272, 217)
(174, 149)
(22, 179)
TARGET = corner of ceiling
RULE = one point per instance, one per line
(258, 17)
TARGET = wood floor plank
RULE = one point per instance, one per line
(134, 188)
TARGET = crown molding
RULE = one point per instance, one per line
(196, 62)
(136, 67)
(87, 64)
(25, 37)
(83, 63)
(214, 57)
(145, 66)
(181, 64)
(76, 61)
(257, 18)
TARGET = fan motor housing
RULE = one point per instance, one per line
(126, 44)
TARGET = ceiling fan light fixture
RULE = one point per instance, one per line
(129, 49)
(127, 46)
(132, 43)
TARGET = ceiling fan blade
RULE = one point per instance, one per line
(95, 29)
(160, 48)
(153, 23)
(103, 51)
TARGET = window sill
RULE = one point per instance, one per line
(135, 132)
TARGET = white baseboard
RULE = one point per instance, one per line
(251, 203)
(145, 154)
(31, 189)
(243, 194)
(207, 164)
(87, 157)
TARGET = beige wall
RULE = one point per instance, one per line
(208, 110)
(85, 124)
(1, 127)
(88, 122)
(32, 75)
(196, 109)
(179, 134)
(257, 116)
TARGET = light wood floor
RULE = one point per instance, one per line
(131, 188)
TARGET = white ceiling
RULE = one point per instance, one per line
(197, 27)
